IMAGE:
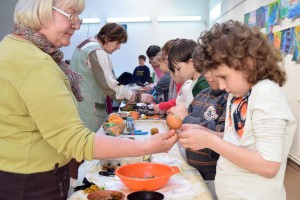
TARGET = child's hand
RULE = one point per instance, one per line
(146, 98)
(156, 108)
(149, 87)
(179, 110)
(194, 139)
(191, 126)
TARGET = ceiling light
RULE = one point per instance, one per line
(90, 20)
(128, 19)
(178, 18)
(215, 12)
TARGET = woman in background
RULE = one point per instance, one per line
(92, 61)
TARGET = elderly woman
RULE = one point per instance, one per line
(40, 128)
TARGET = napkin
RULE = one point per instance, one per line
(177, 187)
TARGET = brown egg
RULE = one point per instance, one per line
(174, 121)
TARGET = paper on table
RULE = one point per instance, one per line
(176, 187)
(167, 160)
(116, 185)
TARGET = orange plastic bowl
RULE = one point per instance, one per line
(145, 176)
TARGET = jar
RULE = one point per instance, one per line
(129, 124)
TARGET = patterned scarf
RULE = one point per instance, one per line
(41, 42)
(240, 113)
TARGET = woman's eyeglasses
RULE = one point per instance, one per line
(72, 17)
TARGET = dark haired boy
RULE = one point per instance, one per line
(208, 109)
(141, 73)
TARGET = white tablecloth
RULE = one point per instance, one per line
(186, 185)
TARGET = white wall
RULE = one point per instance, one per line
(291, 88)
(141, 35)
(6, 16)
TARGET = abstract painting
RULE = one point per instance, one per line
(246, 18)
(284, 8)
(294, 9)
(277, 40)
(296, 44)
(273, 13)
(271, 38)
(252, 18)
(260, 17)
(287, 39)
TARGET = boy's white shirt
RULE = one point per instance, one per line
(190, 96)
(265, 131)
(184, 92)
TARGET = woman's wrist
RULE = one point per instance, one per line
(132, 98)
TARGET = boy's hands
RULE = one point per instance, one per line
(194, 139)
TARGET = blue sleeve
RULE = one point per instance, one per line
(163, 84)
(134, 75)
(147, 74)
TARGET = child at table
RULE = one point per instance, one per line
(259, 126)
(141, 73)
(180, 61)
(208, 109)
(175, 81)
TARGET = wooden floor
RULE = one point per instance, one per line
(292, 181)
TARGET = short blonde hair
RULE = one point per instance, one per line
(35, 13)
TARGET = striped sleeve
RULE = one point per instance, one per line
(101, 66)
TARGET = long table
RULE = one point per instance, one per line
(186, 185)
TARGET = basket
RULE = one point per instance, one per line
(114, 130)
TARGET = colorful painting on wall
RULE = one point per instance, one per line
(284, 8)
(294, 9)
(273, 13)
(277, 40)
(246, 18)
(287, 39)
(268, 28)
(296, 44)
(252, 18)
(260, 17)
(271, 38)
